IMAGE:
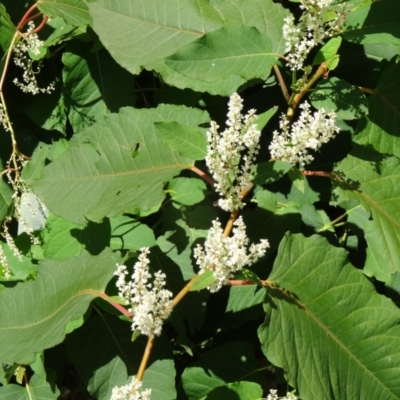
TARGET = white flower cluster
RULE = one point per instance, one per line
(3, 118)
(310, 131)
(131, 391)
(151, 303)
(29, 43)
(314, 26)
(231, 154)
(273, 396)
(227, 255)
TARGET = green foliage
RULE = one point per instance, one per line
(114, 160)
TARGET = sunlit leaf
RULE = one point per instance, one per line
(325, 320)
(64, 290)
(375, 183)
(114, 165)
(75, 12)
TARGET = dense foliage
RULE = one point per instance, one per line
(106, 109)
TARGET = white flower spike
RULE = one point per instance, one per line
(310, 131)
(151, 302)
(312, 29)
(227, 255)
(231, 154)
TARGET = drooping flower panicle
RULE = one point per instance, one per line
(151, 302)
(30, 43)
(312, 29)
(227, 255)
(231, 154)
(309, 132)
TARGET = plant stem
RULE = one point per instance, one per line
(282, 83)
(203, 175)
(321, 71)
(145, 358)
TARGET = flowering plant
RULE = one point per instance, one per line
(199, 200)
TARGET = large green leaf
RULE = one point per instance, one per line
(132, 35)
(381, 129)
(115, 165)
(378, 23)
(34, 315)
(378, 191)
(225, 54)
(141, 33)
(95, 85)
(335, 337)
(266, 15)
(347, 101)
(75, 12)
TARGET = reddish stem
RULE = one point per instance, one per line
(203, 175)
(117, 306)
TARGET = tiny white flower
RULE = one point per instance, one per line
(310, 131)
(231, 154)
(151, 302)
(227, 255)
(131, 391)
(274, 396)
(29, 43)
(312, 29)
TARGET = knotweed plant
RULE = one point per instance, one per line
(309, 132)
(312, 29)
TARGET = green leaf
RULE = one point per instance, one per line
(61, 32)
(377, 188)
(7, 29)
(129, 234)
(94, 85)
(263, 119)
(21, 269)
(5, 198)
(183, 228)
(328, 51)
(235, 54)
(347, 101)
(63, 239)
(267, 16)
(325, 319)
(187, 191)
(64, 290)
(268, 172)
(267, 200)
(38, 389)
(141, 34)
(380, 129)
(203, 281)
(75, 12)
(239, 390)
(113, 166)
(188, 141)
(160, 378)
(377, 23)
(106, 378)
(224, 364)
